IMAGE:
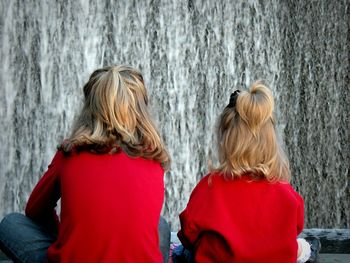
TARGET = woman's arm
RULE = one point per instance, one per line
(43, 200)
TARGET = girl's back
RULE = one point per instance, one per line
(242, 220)
(110, 206)
(245, 210)
(109, 176)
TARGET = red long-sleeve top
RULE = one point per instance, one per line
(242, 220)
(110, 207)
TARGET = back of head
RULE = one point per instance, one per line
(115, 116)
(247, 141)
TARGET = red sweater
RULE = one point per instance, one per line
(242, 221)
(110, 207)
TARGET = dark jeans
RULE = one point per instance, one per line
(182, 255)
(23, 240)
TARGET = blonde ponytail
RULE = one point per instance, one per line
(256, 106)
(247, 141)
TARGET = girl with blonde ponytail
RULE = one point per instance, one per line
(109, 176)
(247, 141)
(245, 210)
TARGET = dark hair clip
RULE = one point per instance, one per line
(233, 99)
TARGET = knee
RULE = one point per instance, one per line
(10, 221)
(13, 217)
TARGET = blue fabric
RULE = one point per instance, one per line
(164, 238)
(23, 240)
(182, 255)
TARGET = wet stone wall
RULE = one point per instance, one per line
(193, 54)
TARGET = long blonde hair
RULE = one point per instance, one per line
(247, 141)
(115, 116)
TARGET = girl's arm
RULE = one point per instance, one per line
(191, 218)
(43, 200)
(300, 218)
(187, 234)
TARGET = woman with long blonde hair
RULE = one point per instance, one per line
(245, 210)
(109, 177)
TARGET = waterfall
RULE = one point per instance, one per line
(193, 54)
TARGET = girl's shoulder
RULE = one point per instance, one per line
(217, 182)
(211, 182)
(287, 190)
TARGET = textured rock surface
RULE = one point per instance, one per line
(332, 240)
(192, 54)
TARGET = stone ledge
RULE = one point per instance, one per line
(333, 241)
(334, 258)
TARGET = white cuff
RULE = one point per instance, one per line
(305, 249)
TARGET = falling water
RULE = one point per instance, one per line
(193, 54)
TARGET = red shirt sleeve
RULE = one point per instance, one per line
(43, 200)
(187, 234)
(300, 218)
(190, 228)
